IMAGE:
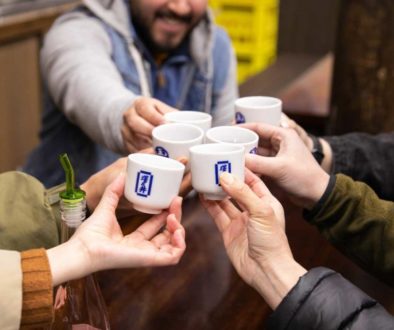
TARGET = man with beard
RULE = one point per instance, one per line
(113, 68)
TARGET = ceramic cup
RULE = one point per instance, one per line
(152, 182)
(208, 161)
(233, 134)
(260, 109)
(197, 118)
(174, 140)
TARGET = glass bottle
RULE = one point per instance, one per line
(78, 304)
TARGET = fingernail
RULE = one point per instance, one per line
(183, 160)
(226, 178)
(284, 124)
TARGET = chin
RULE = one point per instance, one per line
(166, 47)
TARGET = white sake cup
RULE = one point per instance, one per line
(259, 109)
(208, 161)
(235, 135)
(174, 140)
(152, 182)
(197, 118)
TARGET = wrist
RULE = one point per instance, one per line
(311, 188)
(316, 189)
(68, 261)
(280, 276)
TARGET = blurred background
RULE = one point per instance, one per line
(331, 63)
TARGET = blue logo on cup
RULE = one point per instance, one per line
(160, 151)
(143, 186)
(221, 166)
(253, 151)
(239, 118)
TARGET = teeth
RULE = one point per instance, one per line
(172, 20)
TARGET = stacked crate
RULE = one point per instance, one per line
(252, 26)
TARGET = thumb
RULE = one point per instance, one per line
(110, 199)
(240, 192)
(262, 165)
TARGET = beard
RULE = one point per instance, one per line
(170, 42)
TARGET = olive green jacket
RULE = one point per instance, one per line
(357, 222)
(27, 220)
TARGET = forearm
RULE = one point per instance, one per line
(279, 277)
(360, 224)
(68, 261)
(323, 299)
(37, 289)
(83, 81)
(366, 158)
(223, 101)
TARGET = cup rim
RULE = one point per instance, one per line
(245, 102)
(173, 126)
(216, 148)
(206, 116)
(212, 130)
(153, 161)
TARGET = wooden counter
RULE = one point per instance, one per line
(204, 292)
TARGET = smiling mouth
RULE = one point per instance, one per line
(172, 18)
(173, 21)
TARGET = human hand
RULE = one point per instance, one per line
(287, 122)
(139, 120)
(326, 164)
(99, 243)
(98, 182)
(254, 237)
(284, 158)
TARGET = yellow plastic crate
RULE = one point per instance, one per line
(252, 26)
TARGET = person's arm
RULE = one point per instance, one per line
(99, 243)
(353, 217)
(82, 79)
(225, 86)
(323, 299)
(26, 289)
(37, 291)
(254, 237)
(255, 240)
(26, 219)
(10, 289)
(357, 222)
(365, 157)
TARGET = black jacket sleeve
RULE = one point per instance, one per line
(367, 158)
(322, 299)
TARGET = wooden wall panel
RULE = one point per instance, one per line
(20, 104)
(363, 86)
(307, 26)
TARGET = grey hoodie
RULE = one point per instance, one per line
(93, 71)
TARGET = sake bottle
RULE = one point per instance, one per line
(78, 304)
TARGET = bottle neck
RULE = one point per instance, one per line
(72, 214)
